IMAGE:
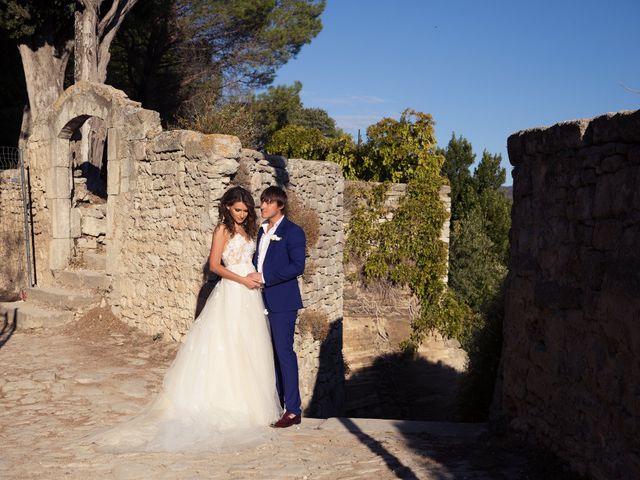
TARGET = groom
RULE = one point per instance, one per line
(279, 260)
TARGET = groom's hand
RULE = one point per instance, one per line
(257, 277)
(250, 282)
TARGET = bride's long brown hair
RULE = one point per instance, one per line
(234, 195)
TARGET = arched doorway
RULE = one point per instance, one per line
(75, 201)
(88, 215)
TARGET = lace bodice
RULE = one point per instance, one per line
(238, 250)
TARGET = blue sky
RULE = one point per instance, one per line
(483, 69)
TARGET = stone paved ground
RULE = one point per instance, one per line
(57, 386)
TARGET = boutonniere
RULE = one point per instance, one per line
(275, 238)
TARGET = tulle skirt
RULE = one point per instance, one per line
(220, 392)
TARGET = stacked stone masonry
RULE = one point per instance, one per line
(572, 326)
(13, 276)
(155, 228)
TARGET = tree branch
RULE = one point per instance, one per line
(107, 29)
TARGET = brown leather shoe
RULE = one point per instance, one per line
(287, 419)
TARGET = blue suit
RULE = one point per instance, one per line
(283, 263)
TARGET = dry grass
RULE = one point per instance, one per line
(243, 175)
(306, 217)
(315, 323)
(310, 269)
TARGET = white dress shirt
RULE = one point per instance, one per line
(265, 240)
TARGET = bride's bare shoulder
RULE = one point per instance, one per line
(221, 234)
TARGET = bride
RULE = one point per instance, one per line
(220, 391)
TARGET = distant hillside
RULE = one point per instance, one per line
(508, 191)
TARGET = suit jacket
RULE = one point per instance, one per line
(283, 263)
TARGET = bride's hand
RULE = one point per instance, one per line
(250, 283)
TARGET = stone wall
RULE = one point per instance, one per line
(316, 203)
(161, 281)
(572, 331)
(166, 229)
(381, 382)
(13, 270)
(49, 156)
(153, 233)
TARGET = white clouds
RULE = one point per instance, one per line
(354, 100)
(355, 122)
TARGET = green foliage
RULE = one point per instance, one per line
(233, 117)
(149, 59)
(476, 269)
(397, 149)
(489, 175)
(276, 108)
(294, 141)
(171, 53)
(367, 202)
(407, 249)
(316, 118)
(345, 153)
(481, 219)
(458, 158)
(496, 210)
(483, 347)
(24, 20)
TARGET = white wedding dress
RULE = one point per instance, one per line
(220, 392)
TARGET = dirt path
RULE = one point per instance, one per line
(57, 386)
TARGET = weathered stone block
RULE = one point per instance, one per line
(75, 230)
(615, 127)
(227, 146)
(59, 253)
(164, 167)
(94, 226)
(173, 140)
(60, 217)
(113, 178)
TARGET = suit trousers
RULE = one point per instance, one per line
(283, 325)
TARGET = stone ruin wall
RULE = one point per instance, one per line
(572, 319)
(13, 269)
(166, 228)
(379, 381)
(163, 192)
(53, 190)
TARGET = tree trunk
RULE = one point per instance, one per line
(25, 127)
(93, 37)
(86, 44)
(44, 76)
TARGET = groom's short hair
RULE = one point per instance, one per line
(274, 194)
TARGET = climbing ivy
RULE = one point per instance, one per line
(407, 250)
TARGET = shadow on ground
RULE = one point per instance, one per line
(7, 326)
(492, 455)
(403, 386)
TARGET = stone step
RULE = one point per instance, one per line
(62, 298)
(83, 279)
(94, 261)
(27, 315)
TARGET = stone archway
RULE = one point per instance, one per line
(48, 155)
